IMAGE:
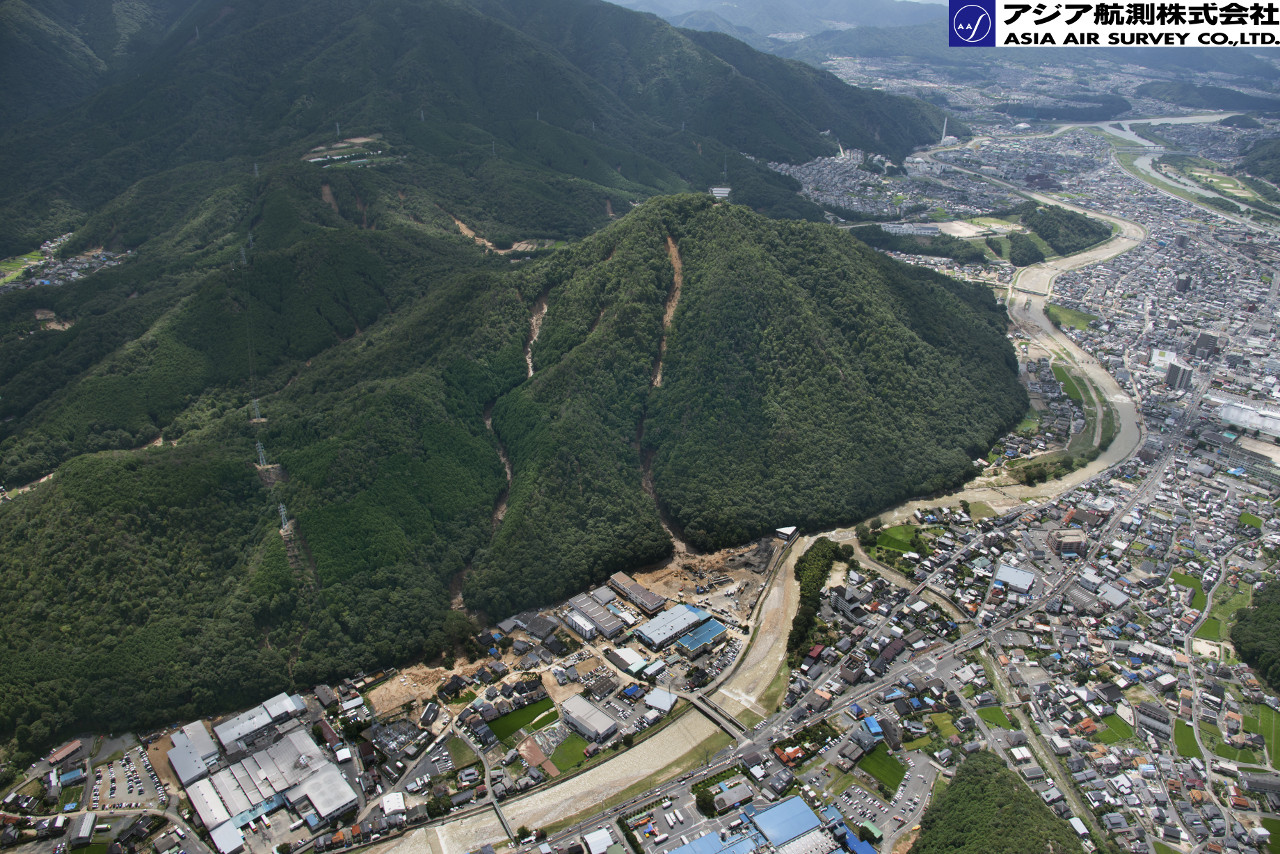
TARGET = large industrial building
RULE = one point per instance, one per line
(237, 733)
(702, 639)
(292, 771)
(662, 630)
(604, 621)
(591, 723)
(185, 761)
(787, 827)
(82, 830)
(637, 594)
(1014, 578)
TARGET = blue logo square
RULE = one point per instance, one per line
(972, 23)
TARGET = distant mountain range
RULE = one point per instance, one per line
(815, 32)
(525, 120)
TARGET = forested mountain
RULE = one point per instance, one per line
(804, 378)
(1263, 160)
(55, 52)
(1254, 634)
(523, 120)
(987, 810)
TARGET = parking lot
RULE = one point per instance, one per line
(126, 783)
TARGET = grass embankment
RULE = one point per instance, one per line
(691, 759)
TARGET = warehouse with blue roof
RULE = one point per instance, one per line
(786, 820)
(702, 639)
(777, 826)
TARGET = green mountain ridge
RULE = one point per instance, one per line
(55, 52)
(522, 124)
(806, 379)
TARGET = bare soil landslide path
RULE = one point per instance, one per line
(673, 300)
(500, 510)
(535, 326)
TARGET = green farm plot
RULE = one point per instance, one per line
(1030, 422)
(460, 753)
(943, 722)
(512, 722)
(569, 754)
(980, 510)
(1273, 825)
(1212, 736)
(1199, 599)
(1063, 316)
(1117, 730)
(995, 716)
(1185, 738)
(70, 795)
(1265, 721)
(1210, 630)
(1225, 607)
(1069, 386)
(885, 768)
(11, 267)
(1251, 520)
(1161, 848)
(897, 538)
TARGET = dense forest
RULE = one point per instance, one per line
(806, 379)
(813, 568)
(987, 810)
(338, 317)
(1255, 638)
(1067, 232)
(1023, 251)
(1263, 161)
(940, 245)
